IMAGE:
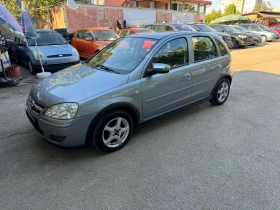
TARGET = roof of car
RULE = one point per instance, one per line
(162, 35)
(96, 28)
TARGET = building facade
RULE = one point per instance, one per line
(249, 5)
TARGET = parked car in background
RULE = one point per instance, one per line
(275, 27)
(134, 79)
(129, 31)
(239, 39)
(55, 52)
(276, 35)
(205, 28)
(161, 27)
(63, 32)
(91, 40)
(257, 38)
(256, 28)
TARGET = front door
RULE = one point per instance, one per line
(165, 92)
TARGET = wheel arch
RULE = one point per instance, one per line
(127, 107)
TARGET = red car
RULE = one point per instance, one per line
(91, 40)
(128, 31)
(275, 27)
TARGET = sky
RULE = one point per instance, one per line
(216, 4)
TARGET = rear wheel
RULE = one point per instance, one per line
(221, 92)
(113, 131)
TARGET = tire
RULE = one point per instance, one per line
(235, 44)
(31, 67)
(220, 92)
(113, 131)
(264, 38)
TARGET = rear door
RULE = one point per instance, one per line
(164, 92)
(205, 68)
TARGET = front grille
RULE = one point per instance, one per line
(226, 38)
(59, 55)
(59, 66)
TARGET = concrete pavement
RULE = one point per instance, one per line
(204, 157)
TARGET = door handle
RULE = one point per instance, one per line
(187, 76)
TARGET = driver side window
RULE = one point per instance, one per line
(174, 53)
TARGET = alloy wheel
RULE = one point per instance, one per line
(115, 132)
(223, 92)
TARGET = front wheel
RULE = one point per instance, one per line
(264, 38)
(113, 131)
(221, 92)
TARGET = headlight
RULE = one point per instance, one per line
(38, 54)
(74, 51)
(242, 36)
(64, 111)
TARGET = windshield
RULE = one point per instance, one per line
(218, 28)
(104, 35)
(264, 27)
(238, 28)
(146, 30)
(183, 27)
(230, 29)
(123, 55)
(47, 38)
(205, 28)
(276, 27)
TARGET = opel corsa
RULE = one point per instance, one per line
(132, 80)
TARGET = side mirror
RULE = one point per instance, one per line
(89, 39)
(161, 68)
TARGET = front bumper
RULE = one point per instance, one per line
(56, 64)
(245, 41)
(64, 133)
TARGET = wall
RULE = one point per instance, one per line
(86, 16)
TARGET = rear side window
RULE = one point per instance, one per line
(222, 47)
(131, 32)
(204, 48)
(169, 28)
(159, 28)
(174, 53)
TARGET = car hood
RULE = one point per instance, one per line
(239, 33)
(54, 49)
(75, 84)
(221, 34)
(254, 35)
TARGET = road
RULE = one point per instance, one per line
(204, 157)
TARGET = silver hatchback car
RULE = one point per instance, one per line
(132, 80)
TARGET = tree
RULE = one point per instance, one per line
(263, 6)
(40, 8)
(213, 15)
(13, 6)
(231, 9)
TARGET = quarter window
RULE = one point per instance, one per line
(203, 48)
(222, 48)
(173, 53)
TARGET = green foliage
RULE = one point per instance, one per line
(213, 15)
(40, 8)
(13, 7)
(263, 6)
(231, 9)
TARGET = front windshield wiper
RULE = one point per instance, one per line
(105, 68)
